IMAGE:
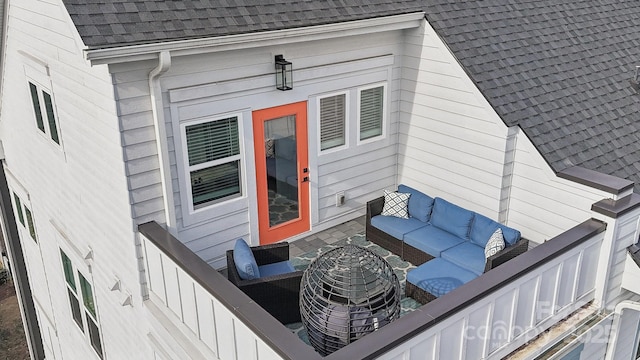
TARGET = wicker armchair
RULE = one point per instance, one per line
(279, 294)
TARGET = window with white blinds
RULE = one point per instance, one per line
(333, 121)
(213, 150)
(371, 111)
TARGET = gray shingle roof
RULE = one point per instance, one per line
(109, 23)
(559, 69)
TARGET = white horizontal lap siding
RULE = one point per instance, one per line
(543, 205)
(77, 190)
(451, 144)
(625, 235)
(140, 152)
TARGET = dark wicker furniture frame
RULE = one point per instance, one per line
(418, 257)
(279, 295)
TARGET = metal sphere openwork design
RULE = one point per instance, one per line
(345, 294)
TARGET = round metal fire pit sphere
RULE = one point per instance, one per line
(345, 294)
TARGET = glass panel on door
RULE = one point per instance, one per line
(282, 169)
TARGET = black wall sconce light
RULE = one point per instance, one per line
(284, 74)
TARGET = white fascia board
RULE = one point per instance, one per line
(255, 39)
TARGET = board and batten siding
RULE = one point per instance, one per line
(77, 190)
(239, 82)
(452, 144)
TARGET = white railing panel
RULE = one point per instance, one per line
(245, 342)
(566, 290)
(224, 329)
(476, 341)
(172, 286)
(525, 308)
(188, 301)
(547, 294)
(588, 270)
(501, 321)
(424, 350)
(206, 319)
(451, 339)
(154, 273)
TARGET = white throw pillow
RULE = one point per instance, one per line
(495, 244)
(395, 204)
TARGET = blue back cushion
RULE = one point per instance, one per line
(420, 205)
(245, 262)
(451, 218)
(483, 227)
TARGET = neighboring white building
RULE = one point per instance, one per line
(116, 114)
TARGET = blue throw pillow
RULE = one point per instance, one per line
(419, 204)
(245, 262)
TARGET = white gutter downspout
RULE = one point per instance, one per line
(157, 107)
(613, 333)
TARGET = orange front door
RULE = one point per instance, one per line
(280, 142)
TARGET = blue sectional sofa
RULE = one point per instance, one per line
(445, 241)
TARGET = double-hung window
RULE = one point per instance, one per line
(371, 112)
(333, 121)
(24, 216)
(44, 111)
(85, 313)
(213, 160)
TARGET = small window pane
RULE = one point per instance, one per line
(19, 208)
(215, 183)
(36, 106)
(68, 270)
(371, 112)
(87, 295)
(51, 117)
(75, 309)
(32, 228)
(94, 335)
(332, 121)
(212, 140)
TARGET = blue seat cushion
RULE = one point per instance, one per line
(431, 240)
(396, 226)
(439, 276)
(451, 218)
(420, 205)
(468, 256)
(245, 262)
(282, 267)
(482, 228)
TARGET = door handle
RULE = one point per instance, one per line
(305, 179)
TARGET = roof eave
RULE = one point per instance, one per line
(255, 39)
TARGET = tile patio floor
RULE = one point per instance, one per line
(329, 236)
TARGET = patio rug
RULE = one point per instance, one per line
(400, 267)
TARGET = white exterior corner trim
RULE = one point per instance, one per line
(255, 39)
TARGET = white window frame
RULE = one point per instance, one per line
(385, 110)
(189, 168)
(347, 110)
(41, 89)
(85, 314)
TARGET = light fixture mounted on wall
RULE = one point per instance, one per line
(284, 74)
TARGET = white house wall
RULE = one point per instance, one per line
(76, 191)
(239, 82)
(452, 144)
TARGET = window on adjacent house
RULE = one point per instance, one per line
(24, 216)
(30, 225)
(371, 112)
(213, 150)
(87, 313)
(43, 108)
(18, 205)
(333, 121)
